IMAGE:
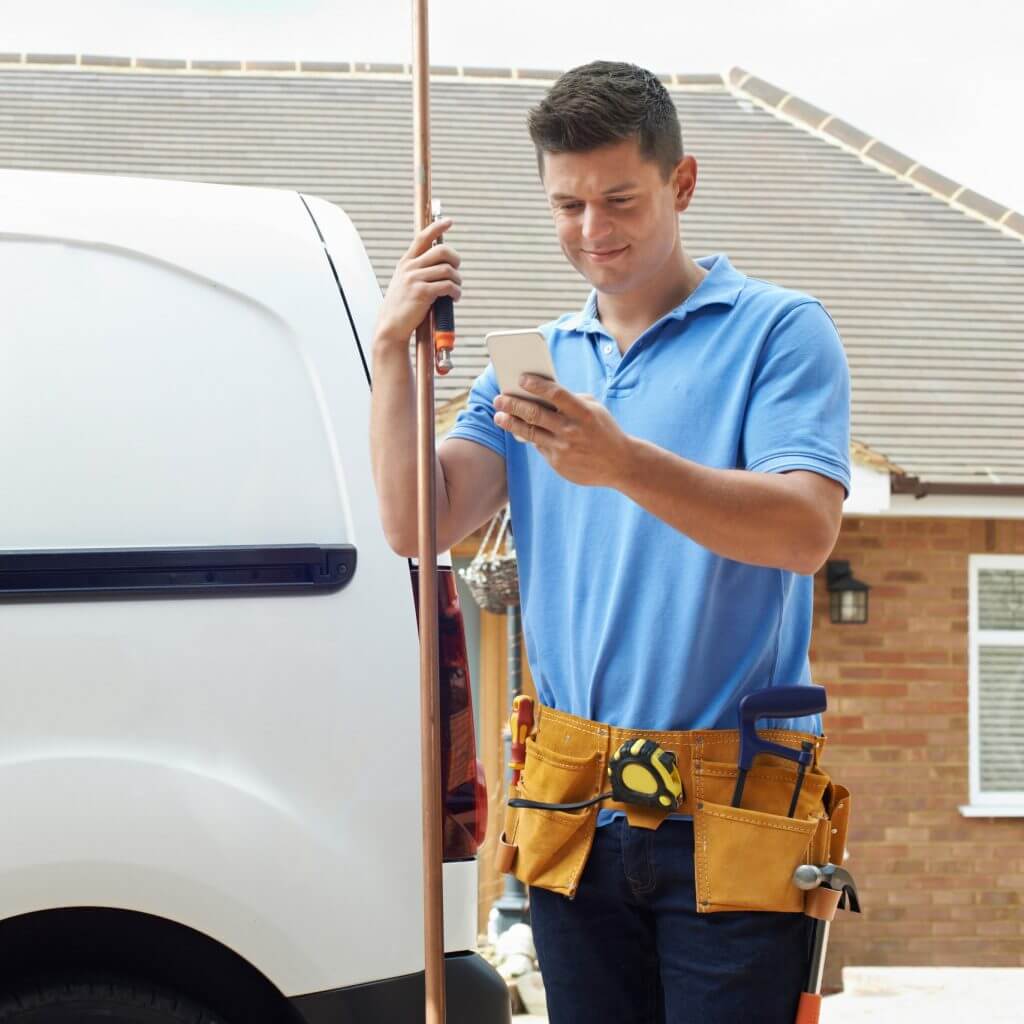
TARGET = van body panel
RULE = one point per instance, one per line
(206, 849)
(179, 370)
(187, 365)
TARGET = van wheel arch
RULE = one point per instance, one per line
(97, 940)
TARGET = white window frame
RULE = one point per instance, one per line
(1004, 804)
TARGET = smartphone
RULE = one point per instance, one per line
(515, 353)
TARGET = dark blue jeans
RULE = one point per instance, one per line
(632, 949)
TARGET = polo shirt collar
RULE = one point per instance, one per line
(721, 287)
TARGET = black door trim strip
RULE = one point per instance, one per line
(192, 571)
(341, 291)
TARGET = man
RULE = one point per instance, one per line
(669, 515)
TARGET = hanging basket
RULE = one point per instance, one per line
(493, 576)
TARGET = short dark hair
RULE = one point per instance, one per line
(605, 102)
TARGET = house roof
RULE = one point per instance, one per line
(924, 278)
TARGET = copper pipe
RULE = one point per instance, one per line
(426, 497)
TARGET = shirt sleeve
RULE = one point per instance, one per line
(476, 421)
(798, 412)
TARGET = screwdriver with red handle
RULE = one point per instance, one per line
(444, 317)
(521, 724)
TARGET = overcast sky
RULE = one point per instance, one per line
(942, 81)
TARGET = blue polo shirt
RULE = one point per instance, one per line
(627, 620)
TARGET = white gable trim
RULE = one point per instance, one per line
(871, 495)
(957, 506)
(869, 491)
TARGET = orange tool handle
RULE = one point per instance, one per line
(444, 342)
(521, 724)
(809, 1009)
(444, 321)
(444, 334)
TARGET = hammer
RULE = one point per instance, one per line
(830, 888)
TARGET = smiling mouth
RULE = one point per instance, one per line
(606, 254)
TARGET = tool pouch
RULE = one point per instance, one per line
(744, 857)
(550, 848)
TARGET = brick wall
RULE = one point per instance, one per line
(937, 888)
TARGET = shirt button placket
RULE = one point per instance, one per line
(608, 355)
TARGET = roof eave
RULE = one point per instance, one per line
(902, 483)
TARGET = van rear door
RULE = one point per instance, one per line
(181, 376)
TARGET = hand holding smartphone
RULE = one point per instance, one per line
(514, 353)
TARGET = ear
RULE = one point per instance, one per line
(684, 179)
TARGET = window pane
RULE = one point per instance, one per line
(1001, 604)
(1001, 712)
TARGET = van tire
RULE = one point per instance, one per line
(99, 999)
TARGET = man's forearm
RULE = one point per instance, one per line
(758, 518)
(393, 447)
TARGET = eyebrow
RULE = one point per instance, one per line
(623, 187)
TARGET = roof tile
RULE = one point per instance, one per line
(933, 180)
(765, 91)
(548, 75)
(331, 65)
(51, 58)
(1015, 222)
(270, 65)
(981, 204)
(216, 65)
(481, 72)
(163, 63)
(803, 111)
(103, 61)
(889, 157)
(10, 58)
(846, 133)
(736, 76)
(382, 69)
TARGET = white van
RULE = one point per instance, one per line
(209, 696)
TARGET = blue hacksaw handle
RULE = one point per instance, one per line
(776, 702)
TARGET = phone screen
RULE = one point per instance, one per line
(514, 353)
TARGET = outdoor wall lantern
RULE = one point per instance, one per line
(848, 597)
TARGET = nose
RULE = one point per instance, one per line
(596, 224)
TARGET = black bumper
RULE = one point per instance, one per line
(474, 993)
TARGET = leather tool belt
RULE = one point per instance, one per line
(744, 856)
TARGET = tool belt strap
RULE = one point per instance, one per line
(561, 732)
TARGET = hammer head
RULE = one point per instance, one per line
(840, 880)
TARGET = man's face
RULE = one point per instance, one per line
(617, 218)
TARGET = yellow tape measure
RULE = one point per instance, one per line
(644, 773)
